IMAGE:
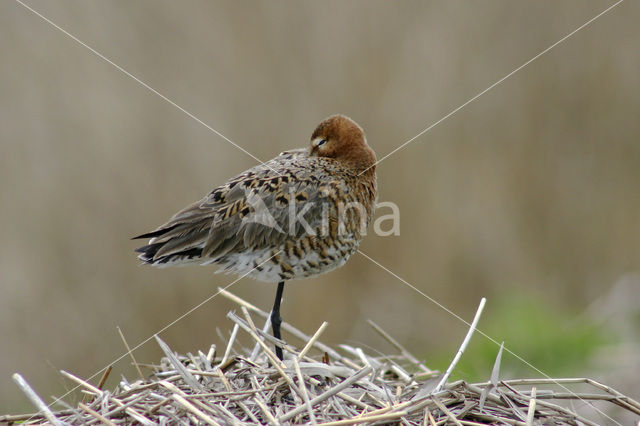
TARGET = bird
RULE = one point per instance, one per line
(299, 215)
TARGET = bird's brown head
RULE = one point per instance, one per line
(341, 138)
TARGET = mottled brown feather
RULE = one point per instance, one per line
(216, 230)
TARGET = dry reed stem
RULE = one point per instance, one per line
(399, 347)
(232, 339)
(303, 387)
(313, 339)
(126, 345)
(463, 347)
(35, 399)
(532, 407)
(354, 387)
(96, 415)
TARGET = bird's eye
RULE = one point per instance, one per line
(321, 142)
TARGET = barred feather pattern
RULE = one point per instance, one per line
(298, 215)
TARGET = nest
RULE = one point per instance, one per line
(251, 386)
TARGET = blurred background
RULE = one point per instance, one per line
(528, 196)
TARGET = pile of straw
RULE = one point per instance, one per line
(251, 386)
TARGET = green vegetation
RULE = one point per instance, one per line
(553, 340)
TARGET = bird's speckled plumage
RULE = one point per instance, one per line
(246, 226)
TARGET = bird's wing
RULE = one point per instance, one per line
(289, 210)
(251, 211)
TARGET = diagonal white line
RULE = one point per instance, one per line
(455, 110)
(151, 89)
(166, 327)
(449, 311)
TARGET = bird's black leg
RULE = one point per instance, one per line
(276, 319)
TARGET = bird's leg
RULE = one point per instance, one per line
(276, 319)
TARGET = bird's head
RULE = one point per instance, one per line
(341, 138)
